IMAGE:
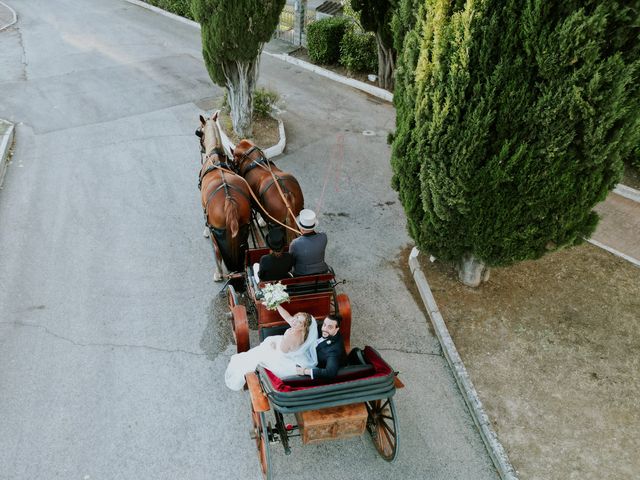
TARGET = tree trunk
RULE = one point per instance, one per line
(386, 64)
(241, 82)
(472, 271)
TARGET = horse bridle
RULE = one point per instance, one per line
(261, 161)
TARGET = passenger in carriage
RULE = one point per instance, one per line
(277, 264)
(308, 249)
(330, 351)
(282, 354)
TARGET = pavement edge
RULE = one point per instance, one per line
(489, 437)
(5, 145)
(13, 14)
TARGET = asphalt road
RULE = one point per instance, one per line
(113, 340)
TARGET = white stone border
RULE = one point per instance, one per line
(489, 437)
(370, 89)
(624, 256)
(270, 152)
(627, 192)
(164, 13)
(15, 17)
(5, 145)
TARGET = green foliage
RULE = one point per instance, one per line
(513, 118)
(359, 52)
(263, 102)
(403, 20)
(324, 37)
(375, 16)
(179, 7)
(234, 31)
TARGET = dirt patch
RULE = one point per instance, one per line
(553, 348)
(302, 54)
(265, 130)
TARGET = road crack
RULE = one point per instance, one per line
(103, 345)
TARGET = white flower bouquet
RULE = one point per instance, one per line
(274, 294)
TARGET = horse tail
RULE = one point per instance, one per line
(231, 215)
(290, 221)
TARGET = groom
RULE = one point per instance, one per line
(330, 349)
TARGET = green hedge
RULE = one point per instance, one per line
(179, 7)
(323, 39)
(359, 52)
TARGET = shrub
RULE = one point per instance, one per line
(359, 52)
(179, 7)
(263, 102)
(323, 39)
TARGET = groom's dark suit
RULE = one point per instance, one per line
(331, 356)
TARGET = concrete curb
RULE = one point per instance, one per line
(627, 192)
(5, 144)
(489, 437)
(13, 14)
(365, 87)
(270, 152)
(164, 13)
(370, 89)
(617, 253)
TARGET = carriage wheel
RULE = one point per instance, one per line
(240, 328)
(232, 297)
(382, 425)
(261, 435)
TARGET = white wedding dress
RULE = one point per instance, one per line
(280, 363)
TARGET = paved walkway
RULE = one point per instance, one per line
(619, 226)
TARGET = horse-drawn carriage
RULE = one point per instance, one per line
(358, 398)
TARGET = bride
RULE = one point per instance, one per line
(278, 353)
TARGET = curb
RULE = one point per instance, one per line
(270, 152)
(5, 144)
(13, 14)
(164, 13)
(370, 89)
(365, 87)
(480, 418)
(627, 192)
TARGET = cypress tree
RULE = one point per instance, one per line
(375, 16)
(513, 117)
(233, 35)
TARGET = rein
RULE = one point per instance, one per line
(224, 168)
(265, 164)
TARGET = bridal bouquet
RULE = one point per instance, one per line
(274, 294)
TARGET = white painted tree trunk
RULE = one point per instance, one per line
(386, 64)
(241, 82)
(472, 271)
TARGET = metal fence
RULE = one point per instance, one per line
(285, 30)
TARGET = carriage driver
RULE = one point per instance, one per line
(277, 264)
(308, 249)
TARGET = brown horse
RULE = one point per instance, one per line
(279, 192)
(226, 201)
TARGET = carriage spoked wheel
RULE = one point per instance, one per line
(382, 425)
(260, 434)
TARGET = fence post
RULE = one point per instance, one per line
(300, 10)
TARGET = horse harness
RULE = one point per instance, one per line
(222, 167)
(264, 162)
